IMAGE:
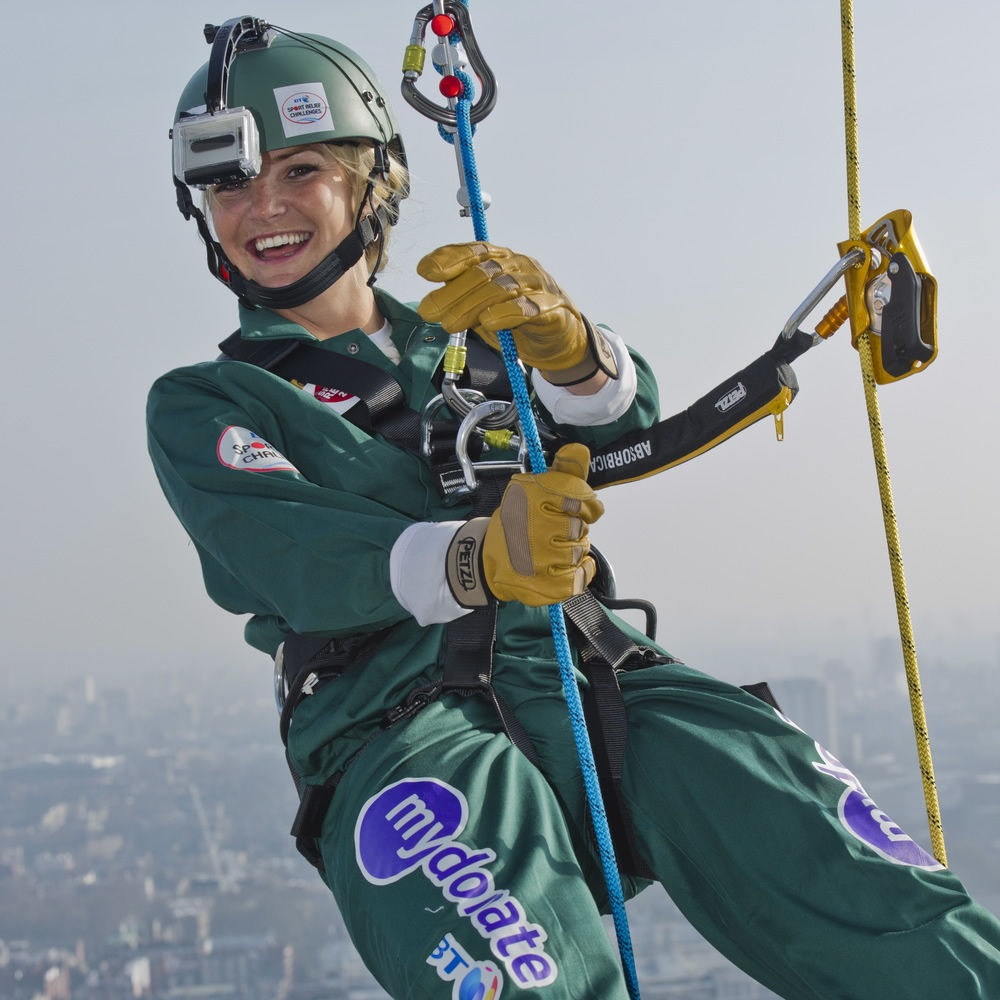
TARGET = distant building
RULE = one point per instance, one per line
(56, 983)
(810, 704)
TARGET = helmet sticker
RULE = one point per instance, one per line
(303, 108)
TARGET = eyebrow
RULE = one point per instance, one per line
(284, 154)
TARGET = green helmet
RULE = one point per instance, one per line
(265, 88)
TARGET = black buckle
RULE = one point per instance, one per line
(418, 699)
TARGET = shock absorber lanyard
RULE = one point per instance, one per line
(456, 54)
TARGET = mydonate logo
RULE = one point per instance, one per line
(414, 824)
(862, 818)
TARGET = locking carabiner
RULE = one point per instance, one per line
(479, 414)
(853, 258)
(446, 18)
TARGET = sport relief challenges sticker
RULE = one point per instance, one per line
(240, 448)
(303, 108)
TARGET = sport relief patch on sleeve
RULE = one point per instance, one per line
(414, 824)
(303, 108)
(240, 448)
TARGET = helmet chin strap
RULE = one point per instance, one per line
(329, 270)
(333, 267)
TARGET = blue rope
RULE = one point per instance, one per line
(536, 459)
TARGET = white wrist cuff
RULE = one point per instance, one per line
(605, 406)
(417, 572)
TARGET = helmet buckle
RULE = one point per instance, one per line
(380, 171)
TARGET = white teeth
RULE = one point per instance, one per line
(280, 241)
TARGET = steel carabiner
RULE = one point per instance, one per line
(454, 18)
(852, 258)
(480, 413)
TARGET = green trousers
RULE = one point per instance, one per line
(465, 872)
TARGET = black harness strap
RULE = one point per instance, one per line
(382, 408)
(310, 661)
(607, 726)
(762, 692)
(314, 804)
(485, 371)
(763, 387)
(606, 641)
(315, 801)
(606, 651)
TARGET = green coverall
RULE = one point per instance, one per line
(461, 869)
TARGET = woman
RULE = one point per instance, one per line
(442, 800)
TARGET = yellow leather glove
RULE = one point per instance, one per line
(489, 288)
(534, 548)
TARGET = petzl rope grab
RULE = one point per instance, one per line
(461, 95)
(881, 461)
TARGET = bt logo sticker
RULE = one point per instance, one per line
(473, 980)
(413, 824)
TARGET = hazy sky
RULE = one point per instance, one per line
(679, 169)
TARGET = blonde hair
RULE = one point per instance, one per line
(357, 160)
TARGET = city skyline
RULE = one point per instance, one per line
(144, 851)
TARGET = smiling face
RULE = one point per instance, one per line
(276, 227)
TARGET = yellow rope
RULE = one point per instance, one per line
(881, 461)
